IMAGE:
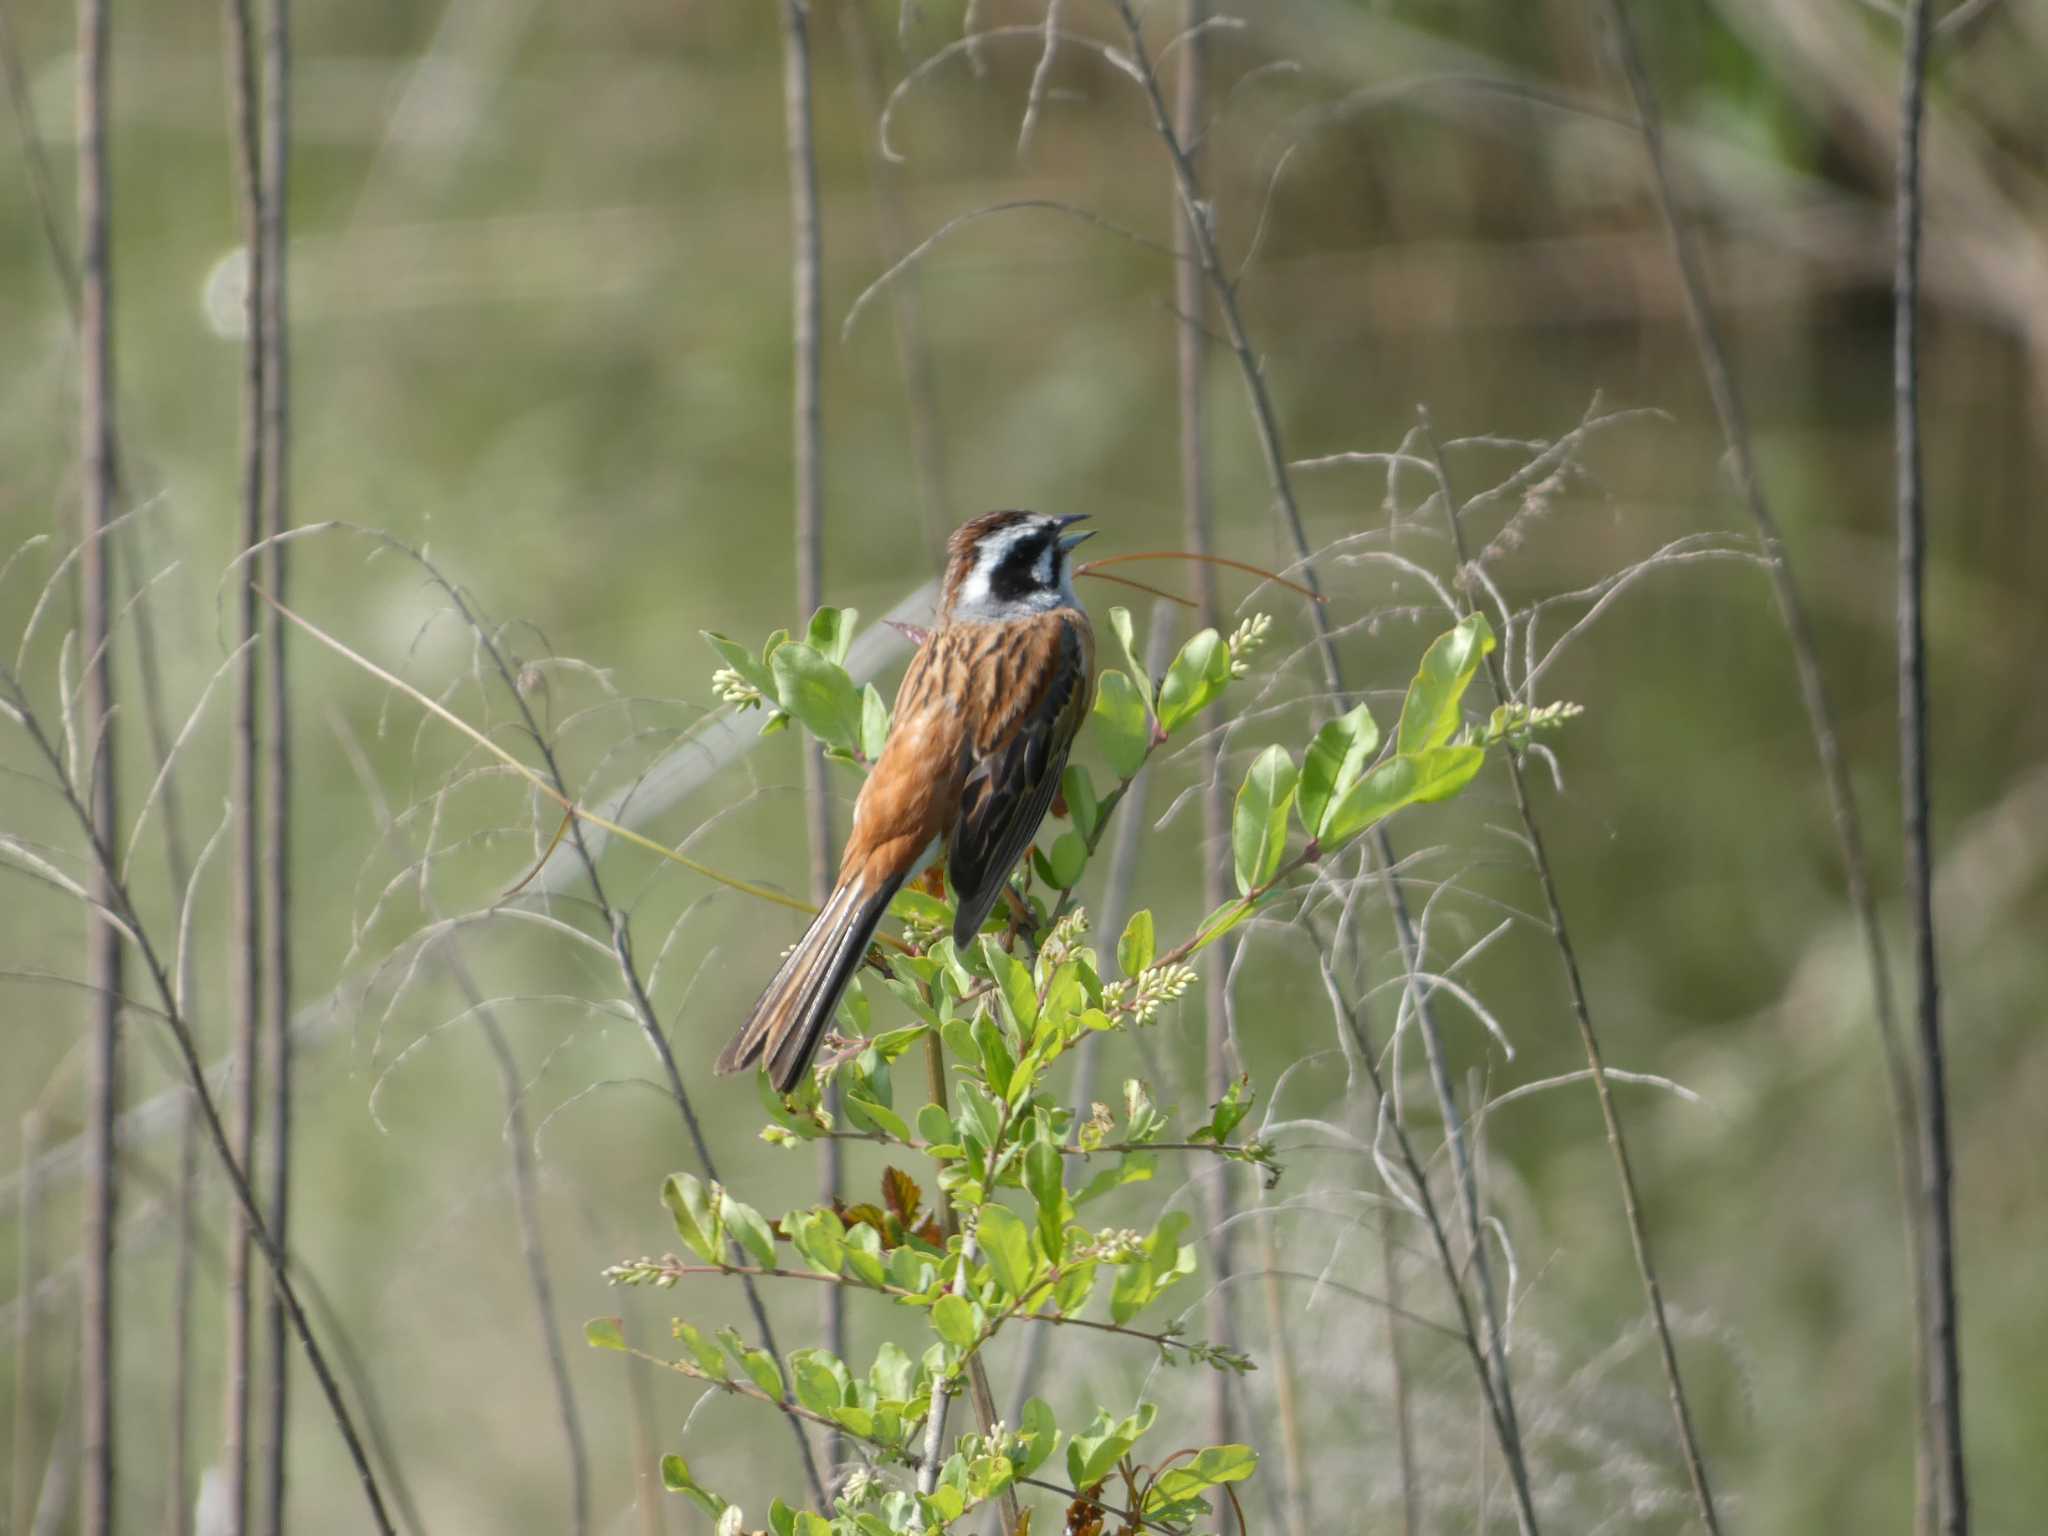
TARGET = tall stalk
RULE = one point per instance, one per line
(807, 428)
(245, 890)
(276, 1016)
(1197, 522)
(104, 955)
(1944, 1348)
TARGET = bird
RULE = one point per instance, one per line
(984, 719)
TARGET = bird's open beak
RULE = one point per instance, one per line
(1068, 543)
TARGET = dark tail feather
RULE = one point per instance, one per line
(789, 1020)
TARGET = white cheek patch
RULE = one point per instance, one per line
(1043, 574)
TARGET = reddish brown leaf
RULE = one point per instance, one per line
(901, 1195)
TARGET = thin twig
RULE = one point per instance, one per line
(1266, 424)
(245, 899)
(1944, 1347)
(1820, 712)
(104, 954)
(1631, 1200)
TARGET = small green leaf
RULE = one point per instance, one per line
(710, 1359)
(604, 1333)
(1006, 1244)
(1067, 861)
(1013, 982)
(745, 1224)
(1430, 715)
(1084, 806)
(676, 1478)
(1403, 780)
(1134, 950)
(1127, 641)
(893, 1375)
(831, 632)
(874, 723)
(867, 1115)
(1039, 1434)
(1340, 753)
(1121, 727)
(934, 1125)
(1189, 1479)
(1043, 1176)
(689, 1202)
(819, 693)
(1258, 826)
(953, 1319)
(818, 1387)
(742, 661)
(1199, 673)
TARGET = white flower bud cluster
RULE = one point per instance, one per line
(1154, 989)
(1246, 640)
(734, 689)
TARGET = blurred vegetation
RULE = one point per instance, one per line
(540, 327)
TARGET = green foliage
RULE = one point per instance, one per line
(1015, 1171)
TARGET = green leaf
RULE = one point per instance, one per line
(1430, 715)
(1043, 1176)
(1039, 1436)
(867, 1115)
(1187, 1480)
(1163, 1261)
(710, 1359)
(1258, 826)
(1014, 983)
(745, 1224)
(1134, 950)
(819, 693)
(1006, 1244)
(831, 632)
(689, 1202)
(1121, 727)
(676, 1478)
(874, 723)
(604, 1333)
(1091, 1457)
(781, 1518)
(934, 1125)
(1067, 861)
(818, 1386)
(953, 1320)
(1401, 781)
(1070, 1293)
(1199, 673)
(1084, 806)
(1335, 759)
(893, 1375)
(820, 1237)
(1127, 641)
(742, 661)
(757, 1363)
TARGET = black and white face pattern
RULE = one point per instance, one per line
(1021, 569)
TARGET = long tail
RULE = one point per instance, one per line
(789, 1020)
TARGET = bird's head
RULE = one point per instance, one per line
(1009, 564)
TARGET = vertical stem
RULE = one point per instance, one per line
(103, 965)
(1188, 297)
(1582, 1014)
(1944, 1384)
(1820, 712)
(245, 941)
(808, 455)
(28, 1266)
(277, 890)
(177, 1485)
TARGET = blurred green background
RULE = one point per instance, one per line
(540, 327)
